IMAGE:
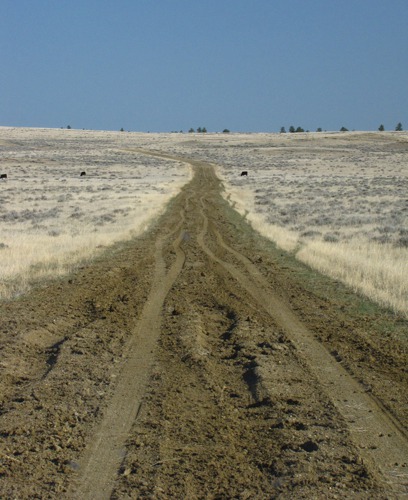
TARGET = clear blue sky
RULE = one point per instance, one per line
(163, 65)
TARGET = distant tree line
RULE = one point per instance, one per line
(398, 127)
(294, 130)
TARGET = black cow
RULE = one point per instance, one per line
(83, 173)
(244, 172)
(3, 176)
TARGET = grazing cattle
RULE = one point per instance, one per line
(83, 173)
(3, 176)
(244, 172)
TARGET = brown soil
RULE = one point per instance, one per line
(197, 361)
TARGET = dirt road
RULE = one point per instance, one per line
(194, 362)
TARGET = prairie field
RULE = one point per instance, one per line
(337, 201)
(52, 219)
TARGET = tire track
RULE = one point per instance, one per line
(381, 440)
(103, 457)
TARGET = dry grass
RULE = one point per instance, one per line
(377, 270)
(51, 219)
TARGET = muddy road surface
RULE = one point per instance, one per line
(193, 362)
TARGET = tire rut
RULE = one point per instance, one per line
(102, 459)
(210, 427)
(381, 439)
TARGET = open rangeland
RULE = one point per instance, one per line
(70, 194)
(199, 359)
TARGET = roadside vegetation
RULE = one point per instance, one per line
(339, 207)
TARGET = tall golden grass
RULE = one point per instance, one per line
(378, 271)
